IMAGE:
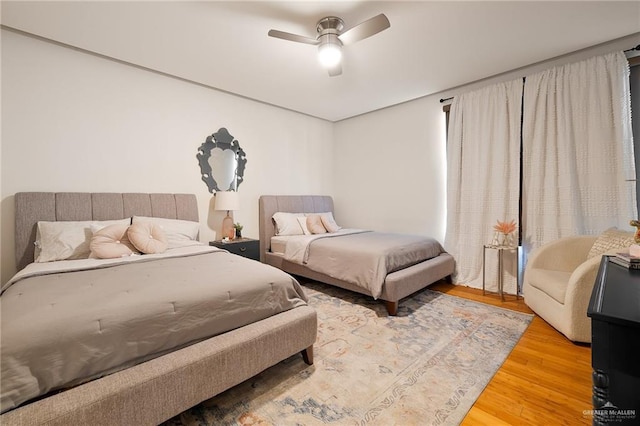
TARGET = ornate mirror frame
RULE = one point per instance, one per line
(224, 141)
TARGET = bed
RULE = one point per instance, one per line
(433, 264)
(165, 376)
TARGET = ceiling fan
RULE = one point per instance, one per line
(331, 38)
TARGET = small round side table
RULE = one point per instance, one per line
(500, 250)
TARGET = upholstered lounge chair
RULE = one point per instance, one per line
(560, 276)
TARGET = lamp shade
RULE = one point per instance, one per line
(227, 200)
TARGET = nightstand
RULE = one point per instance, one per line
(245, 247)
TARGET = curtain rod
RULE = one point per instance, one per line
(628, 50)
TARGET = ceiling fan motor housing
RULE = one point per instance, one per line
(330, 25)
(329, 29)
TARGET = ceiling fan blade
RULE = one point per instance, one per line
(293, 37)
(335, 70)
(365, 29)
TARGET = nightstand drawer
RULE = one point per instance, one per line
(245, 247)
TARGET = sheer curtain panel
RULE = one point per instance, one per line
(483, 178)
(578, 166)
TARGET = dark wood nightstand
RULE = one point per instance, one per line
(245, 247)
(614, 310)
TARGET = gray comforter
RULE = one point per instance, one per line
(63, 328)
(363, 258)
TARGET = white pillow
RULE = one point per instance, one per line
(329, 222)
(66, 240)
(180, 233)
(287, 223)
(302, 221)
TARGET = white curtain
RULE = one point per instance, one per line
(578, 165)
(483, 171)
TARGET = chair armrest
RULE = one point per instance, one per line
(580, 287)
(564, 254)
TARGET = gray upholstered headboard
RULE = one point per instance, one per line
(270, 204)
(32, 207)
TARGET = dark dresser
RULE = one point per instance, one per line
(614, 310)
(245, 247)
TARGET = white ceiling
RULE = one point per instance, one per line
(430, 47)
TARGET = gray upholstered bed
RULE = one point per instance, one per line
(157, 389)
(397, 284)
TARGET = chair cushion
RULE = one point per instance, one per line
(553, 283)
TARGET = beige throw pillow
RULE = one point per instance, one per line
(611, 239)
(111, 242)
(314, 224)
(179, 233)
(148, 237)
(329, 222)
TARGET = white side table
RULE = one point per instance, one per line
(501, 250)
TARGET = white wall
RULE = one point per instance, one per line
(72, 121)
(390, 169)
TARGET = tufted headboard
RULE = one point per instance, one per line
(270, 204)
(32, 207)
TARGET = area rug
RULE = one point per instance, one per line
(426, 366)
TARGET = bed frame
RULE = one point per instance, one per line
(397, 285)
(156, 390)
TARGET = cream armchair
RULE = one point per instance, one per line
(557, 285)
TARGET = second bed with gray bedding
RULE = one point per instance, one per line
(394, 265)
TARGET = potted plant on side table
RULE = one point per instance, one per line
(238, 228)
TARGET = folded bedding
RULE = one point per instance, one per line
(362, 258)
(67, 322)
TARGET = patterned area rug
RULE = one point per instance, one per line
(426, 366)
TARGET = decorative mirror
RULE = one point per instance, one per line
(222, 162)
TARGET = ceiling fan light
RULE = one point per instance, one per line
(329, 54)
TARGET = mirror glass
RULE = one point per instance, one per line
(222, 162)
(223, 167)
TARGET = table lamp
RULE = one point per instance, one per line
(229, 201)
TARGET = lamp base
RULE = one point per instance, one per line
(227, 228)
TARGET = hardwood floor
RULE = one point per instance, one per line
(546, 380)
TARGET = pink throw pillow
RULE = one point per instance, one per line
(148, 237)
(314, 224)
(111, 242)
